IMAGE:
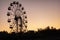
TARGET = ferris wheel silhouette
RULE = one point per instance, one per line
(17, 17)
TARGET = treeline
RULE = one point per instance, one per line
(47, 34)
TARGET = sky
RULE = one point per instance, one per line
(40, 13)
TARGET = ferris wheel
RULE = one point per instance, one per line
(17, 17)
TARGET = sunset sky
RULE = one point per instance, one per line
(40, 13)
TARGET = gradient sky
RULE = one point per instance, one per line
(41, 13)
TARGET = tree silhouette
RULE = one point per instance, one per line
(47, 34)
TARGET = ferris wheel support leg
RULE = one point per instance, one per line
(17, 26)
(21, 25)
(21, 29)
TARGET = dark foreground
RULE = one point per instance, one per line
(47, 34)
